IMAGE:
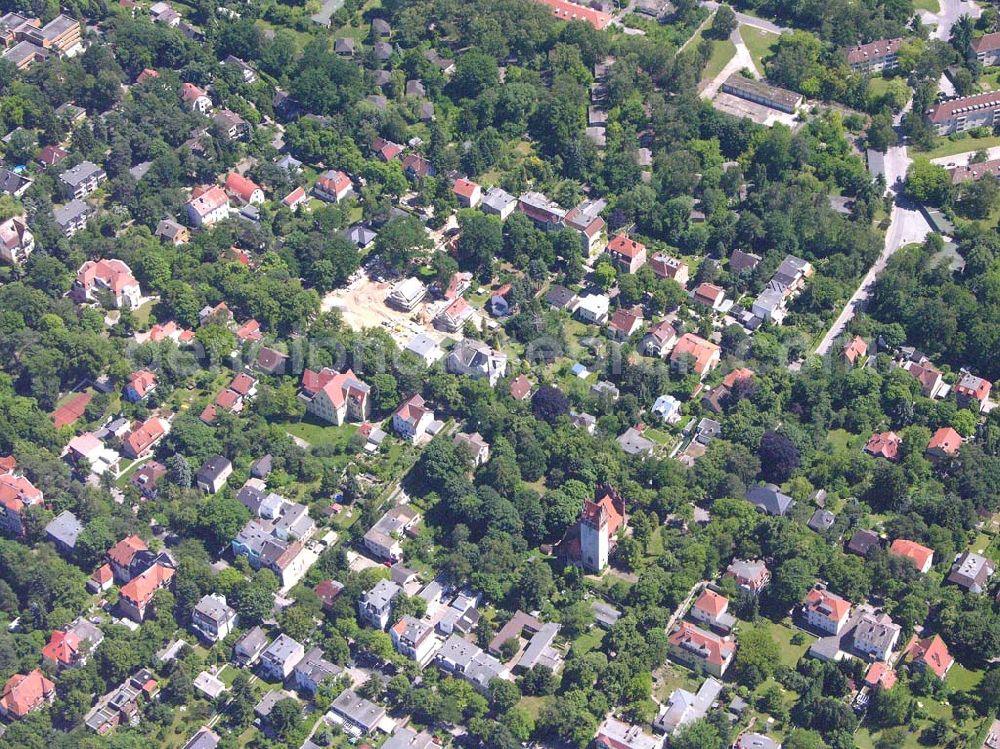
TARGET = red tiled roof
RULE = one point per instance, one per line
(737, 375)
(716, 650)
(102, 574)
(947, 109)
(916, 553)
(295, 196)
(141, 588)
(698, 348)
(63, 647)
(227, 399)
(855, 349)
(880, 48)
(986, 42)
(625, 246)
(413, 409)
(831, 606)
(142, 381)
(249, 331)
(26, 692)
(884, 445)
(567, 11)
(947, 440)
(932, 652)
(7, 463)
(712, 603)
(141, 438)
(334, 182)
(465, 188)
(612, 510)
(880, 674)
(242, 384)
(123, 551)
(520, 388)
(241, 187)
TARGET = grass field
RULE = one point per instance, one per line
(316, 432)
(841, 439)
(947, 147)
(931, 6)
(589, 640)
(760, 43)
(782, 634)
(722, 52)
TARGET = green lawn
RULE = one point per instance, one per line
(931, 6)
(316, 432)
(841, 439)
(962, 679)
(782, 634)
(760, 43)
(722, 52)
(532, 705)
(588, 641)
(948, 147)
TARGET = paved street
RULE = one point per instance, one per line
(748, 20)
(951, 11)
(962, 159)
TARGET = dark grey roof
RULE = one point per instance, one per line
(822, 520)
(65, 529)
(212, 468)
(768, 498)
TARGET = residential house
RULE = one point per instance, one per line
(230, 124)
(195, 98)
(498, 202)
(665, 266)
(128, 557)
(944, 444)
(683, 707)
(627, 255)
(313, 671)
(14, 183)
(383, 538)
(625, 323)
(701, 650)
(709, 295)
(476, 447)
(921, 557)
(821, 521)
(335, 397)
(825, 611)
(101, 580)
(81, 180)
(404, 738)
(16, 494)
(406, 294)
(72, 217)
(141, 440)
(280, 657)
(741, 262)
(333, 186)
(970, 391)
(660, 340)
(634, 443)
(146, 479)
(986, 49)
(417, 167)
(25, 693)
(876, 635)
(270, 361)
(884, 445)
(769, 499)
(520, 388)
(965, 113)
(586, 220)
(750, 574)
(560, 298)
(136, 595)
(71, 646)
(546, 214)
(375, 605)
(468, 193)
(213, 618)
(613, 733)
(972, 572)
(693, 353)
(593, 308)
(358, 716)
(208, 206)
(452, 318)
(712, 608)
(328, 591)
(121, 705)
(855, 350)
(248, 74)
(343, 46)
(249, 647)
(111, 277)
(213, 474)
(413, 638)
(880, 675)
(932, 383)
(360, 236)
(244, 189)
(16, 241)
(51, 156)
(63, 531)
(668, 408)
(875, 57)
(425, 348)
(862, 541)
(295, 198)
(929, 653)
(140, 384)
(465, 660)
(477, 360)
(206, 738)
(411, 419)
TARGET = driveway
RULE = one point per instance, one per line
(962, 159)
(759, 23)
(742, 59)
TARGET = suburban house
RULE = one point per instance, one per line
(477, 448)
(875, 57)
(709, 295)
(965, 113)
(986, 49)
(855, 350)
(136, 595)
(404, 738)
(614, 733)
(876, 635)
(357, 716)
(230, 124)
(212, 618)
(468, 193)
(769, 499)
(413, 638)
(546, 214)
(921, 557)
(375, 605)
(693, 353)
(72, 217)
(25, 693)
(970, 391)
(625, 323)
(138, 443)
(668, 408)
(750, 574)
(825, 611)
(280, 657)
(884, 445)
(862, 541)
(71, 646)
(466, 660)
(16, 494)
(425, 348)
(243, 189)
(497, 202)
(932, 383)
(208, 206)
(195, 98)
(660, 339)
(683, 707)
(411, 419)
(593, 308)
(477, 360)
(586, 220)
(111, 277)
(333, 186)
(140, 384)
(666, 266)
(313, 671)
(16, 241)
(120, 706)
(701, 650)
(335, 397)
(128, 557)
(406, 294)
(712, 608)
(63, 531)
(213, 474)
(249, 647)
(452, 318)
(383, 538)
(929, 653)
(81, 180)
(944, 444)
(972, 572)
(146, 479)
(627, 255)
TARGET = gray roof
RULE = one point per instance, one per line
(822, 520)
(497, 199)
(404, 738)
(421, 345)
(212, 468)
(269, 700)
(283, 648)
(65, 529)
(253, 641)
(769, 499)
(316, 668)
(214, 607)
(80, 173)
(382, 594)
(206, 738)
(633, 443)
(360, 235)
(70, 213)
(358, 710)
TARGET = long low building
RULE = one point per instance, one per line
(875, 57)
(965, 113)
(567, 11)
(975, 172)
(762, 93)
